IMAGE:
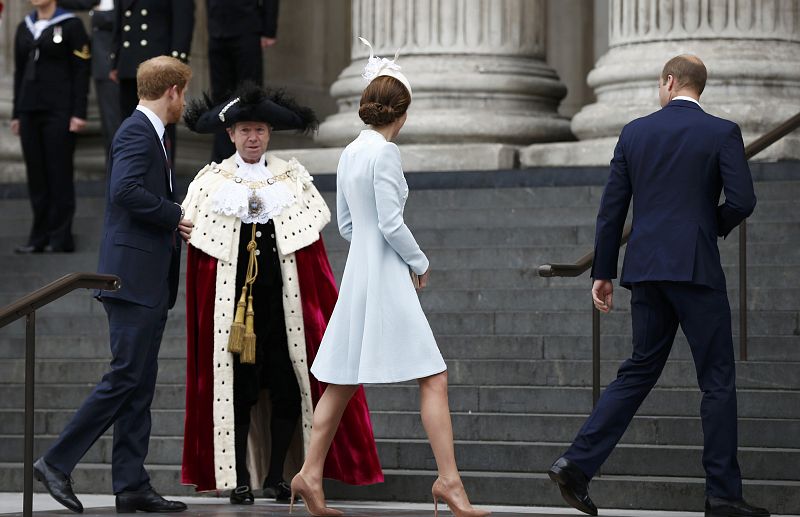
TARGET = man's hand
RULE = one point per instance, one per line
(114, 75)
(185, 229)
(602, 294)
(268, 42)
(76, 124)
(15, 126)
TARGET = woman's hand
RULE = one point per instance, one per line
(420, 281)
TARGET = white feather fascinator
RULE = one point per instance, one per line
(377, 66)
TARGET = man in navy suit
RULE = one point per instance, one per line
(141, 244)
(674, 164)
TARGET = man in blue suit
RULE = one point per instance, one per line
(141, 244)
(674, 164)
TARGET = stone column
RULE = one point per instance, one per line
(11, 166)
(751, 49)
(476, 67)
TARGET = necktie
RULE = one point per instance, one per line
(168, 149)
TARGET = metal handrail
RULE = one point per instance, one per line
(583, 264)
(26, 308)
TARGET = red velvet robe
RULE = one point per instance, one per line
(353, 456)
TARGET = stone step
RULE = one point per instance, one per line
(644, 430)
(461, 372)
(524, 489)
(558, 428)
(492, 456)
(556, 323)
(520, 234)
(162, 450)
(453, 346)
(753, 403)
(535, 489)
(95, 478)
(571, 400)
(166, 422)
(632, 460)
(766, 191)
(439, 298)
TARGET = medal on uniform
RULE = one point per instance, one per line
(254, 204)
(57, 35)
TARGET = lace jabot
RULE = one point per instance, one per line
(248, 197)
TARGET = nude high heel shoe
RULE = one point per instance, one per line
(315, 503)
(453, 494)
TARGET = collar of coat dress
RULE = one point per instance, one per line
(297, 226)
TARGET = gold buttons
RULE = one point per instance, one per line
(183, 55)
(126, 28)
(144, 12)
(128, 14)
(175, 54)
(144, 26)
(143, 42)
(126, 44)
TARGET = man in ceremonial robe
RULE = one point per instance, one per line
(259, 295)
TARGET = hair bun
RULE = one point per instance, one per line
(376, 114)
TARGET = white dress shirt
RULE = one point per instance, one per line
(686, 98)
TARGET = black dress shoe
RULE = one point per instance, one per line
(280, 491)
(27, 249)
(146, 500)
(58, 484)
(242, 495)
(573, 485)
(716, 507)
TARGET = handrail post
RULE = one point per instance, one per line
(743, 291)
(595, 356)
(30, 357)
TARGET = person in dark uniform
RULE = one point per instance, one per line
(238, 31)
(102, 14)
(144, 29)
(51, 84)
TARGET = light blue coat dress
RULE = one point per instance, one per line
(378, 332)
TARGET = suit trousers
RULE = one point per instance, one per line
(657, 308)
(48, 148)
(232, 61)
(122, 398)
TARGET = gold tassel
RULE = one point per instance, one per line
(248, 354)
(237, 328)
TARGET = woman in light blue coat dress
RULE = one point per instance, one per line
(378, 332)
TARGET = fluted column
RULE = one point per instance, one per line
(476, 67)
(751, 49)
(11, 166)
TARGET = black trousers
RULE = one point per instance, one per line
(232, 61)
(109, 104)
(129, 99)
(657, 308)
(122, 398)
(49, 148)
(273, 370)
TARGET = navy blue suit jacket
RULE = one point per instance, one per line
(140, 242)
(673, 163)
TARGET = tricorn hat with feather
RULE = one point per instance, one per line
(250, 103)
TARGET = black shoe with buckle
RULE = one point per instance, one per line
(280, 491)
(242, 495)
(58, 484)
(716, 507)
(146, 500)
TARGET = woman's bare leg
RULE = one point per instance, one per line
(435, 411)
(327, 416)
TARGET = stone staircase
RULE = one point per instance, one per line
(518, 348)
